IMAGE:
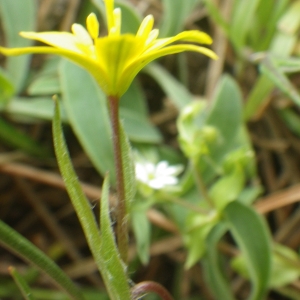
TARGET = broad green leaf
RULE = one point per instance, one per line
(138, 127)
(177, 92)
(46, 81)
(251, 234)
(44, 85)
(26, 250)
(22, 284)
(134, 115)
(212, 263)
(115, 268)
(175, 14)
(226, 114)
(30, 110)
(110, 273)
(16, 16)
(85, 106)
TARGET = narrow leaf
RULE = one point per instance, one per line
(22, 284)
(115, 268)
(175, 14)
(16, 243)
(213, 271)
(84, 212)
(177, 92)
(251, 234)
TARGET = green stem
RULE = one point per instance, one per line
(200, 183)
(122, 224)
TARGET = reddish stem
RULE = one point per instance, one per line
(122, 224)
(146, 287)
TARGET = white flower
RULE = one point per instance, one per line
(157, 176)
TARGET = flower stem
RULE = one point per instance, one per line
(122, 224)
(146, 287)
(200, 183)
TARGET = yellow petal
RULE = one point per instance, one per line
(64, 40)
(193, 36)
(145, 27)
(109, 5)
(82, 60)
(83, 37)
(152, 36)
(92, 25)
(117, 21)
(137, 65)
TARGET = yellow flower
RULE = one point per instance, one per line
(114, 60)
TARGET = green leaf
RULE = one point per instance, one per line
(26, 250)
(175, 14)
(251, 234)
(22, 284)
(30, 110)
(130, 18)
(269, 68)
(16, 16)
(214, 13)
(6, 87)
(226, 116)
(134, 115)
(291, 119)
(257, 96)
(16, 139)
(285, 267)
(94, 237)
(44, 85)
(198, 228)
(282, 45)
(176, 91)
(227, 188)
(142, 231)
(213, 272)
(85, 105)
(115, 268)
(86, 108)
(241, 22)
